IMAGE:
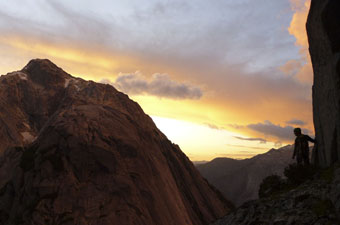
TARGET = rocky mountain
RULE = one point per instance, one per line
(323, 28)
(80, 152)
(239, 180)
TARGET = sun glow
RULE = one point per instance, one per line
(88, 62)
(200, 142)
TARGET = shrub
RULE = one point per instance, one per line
(271, 185)
(297, 174)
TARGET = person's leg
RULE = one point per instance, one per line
(306, 158)
(299, 159)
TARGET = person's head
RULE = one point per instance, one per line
(297, 131)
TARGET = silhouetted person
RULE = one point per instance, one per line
(301, 147)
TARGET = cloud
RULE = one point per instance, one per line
(236, 60)
(57, 23)
(261, 140)
(270, 129)
(284, 133)
(248, 147)
(160, 85)
(297, 26)
(296, 122)
(291, 67)
(302, 67)
(278, 144)
(213, 126)
(235, 126)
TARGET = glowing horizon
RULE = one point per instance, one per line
(203, 140)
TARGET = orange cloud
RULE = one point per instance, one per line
(297, 26)
(291, 67)
(301, 68)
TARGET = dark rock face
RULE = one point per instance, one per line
(86, 154)
(314, 203)
(239, 180)
(323, 28)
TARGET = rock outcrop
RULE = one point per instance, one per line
(239, 180)
(316, 202)
(79, 152)
(323, 28)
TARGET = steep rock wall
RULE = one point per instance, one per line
(323, 28)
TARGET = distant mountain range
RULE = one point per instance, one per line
(199, 162)
(239, 180)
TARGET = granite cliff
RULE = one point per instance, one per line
(323, 28)
(80, 152)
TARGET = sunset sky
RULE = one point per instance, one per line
(221, 78)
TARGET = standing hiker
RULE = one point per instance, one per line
(301, 147)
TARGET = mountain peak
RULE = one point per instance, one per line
(79, 152)
(45, 72)
(37, 61)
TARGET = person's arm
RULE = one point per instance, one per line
(310, 139)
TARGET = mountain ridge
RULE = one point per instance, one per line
(239, 180)
(80, 152)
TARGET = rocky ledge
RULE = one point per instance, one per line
(315, 202)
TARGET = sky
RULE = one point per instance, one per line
(221, 78)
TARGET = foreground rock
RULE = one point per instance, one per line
(239, 180)
(316, 202)
(87, 154)
(323, 28)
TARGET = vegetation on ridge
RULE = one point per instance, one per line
(295, 176)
